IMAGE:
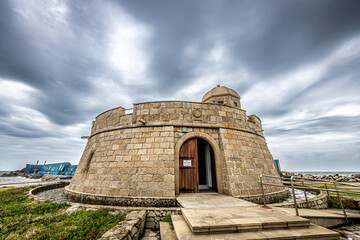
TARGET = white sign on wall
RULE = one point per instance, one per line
(187, 163)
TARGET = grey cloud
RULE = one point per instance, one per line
(316, 126)
(267, 38)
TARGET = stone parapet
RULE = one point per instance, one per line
(318, 202)
(39, 189)
(273, 197)
(176, 111)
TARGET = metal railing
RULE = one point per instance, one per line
(294, 184)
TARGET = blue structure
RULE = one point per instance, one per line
(64, 168)
(70, 170)
(31, 168)
(277, 163)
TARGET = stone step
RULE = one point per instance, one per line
(166, 231)
(235, 219)
(183, 232)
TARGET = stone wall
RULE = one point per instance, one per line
(174, 113)
(128, 162)
(131, 228)
(131, 156)
(273, 197)
(246, 157)
(318, 202)
(189, 112)
(154, 217)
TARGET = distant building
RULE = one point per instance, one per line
(164, 148)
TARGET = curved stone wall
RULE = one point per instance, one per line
(133, 155)
(273, 197)
(176, 113)
(318, 202)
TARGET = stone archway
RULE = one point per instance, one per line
(217, 153)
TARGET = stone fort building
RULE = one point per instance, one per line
(164, 148)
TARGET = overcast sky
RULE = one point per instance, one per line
(295, 64)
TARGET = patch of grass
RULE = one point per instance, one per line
(5, 188)
(333, 203)
(339, 187)
(167, 218)
(23, 218)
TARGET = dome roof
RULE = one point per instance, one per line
(220, 91)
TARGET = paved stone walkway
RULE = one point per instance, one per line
(210, 200)
(226, 217)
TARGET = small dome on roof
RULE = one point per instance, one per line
(222, 95)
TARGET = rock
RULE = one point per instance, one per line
(21, 170)
(115, 212)
(36, 176)
(72, 209)
(287, 174)
(355, 175)
(308, 176)
(10, 174)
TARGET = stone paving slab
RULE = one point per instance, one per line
(324, 213)
(166, 231)
(206, 200)
(183, 232)
(232, 219)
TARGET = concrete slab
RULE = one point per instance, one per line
(232, 219)
(206, 200)
(183, 232)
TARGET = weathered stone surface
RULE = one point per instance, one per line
(131, 228)
(318, 202)
(130, 159)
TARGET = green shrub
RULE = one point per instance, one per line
(167, 218)
(333, 203)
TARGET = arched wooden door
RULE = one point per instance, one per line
(188, 174)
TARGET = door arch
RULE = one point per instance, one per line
(185, 154)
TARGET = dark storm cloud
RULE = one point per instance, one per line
(266, 36)
(58, 62)
(316, 126)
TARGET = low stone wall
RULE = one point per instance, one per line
(120, 201)
(318, 202)
(131, 228)
(273, 197)
(155, 216)
(48, 187)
